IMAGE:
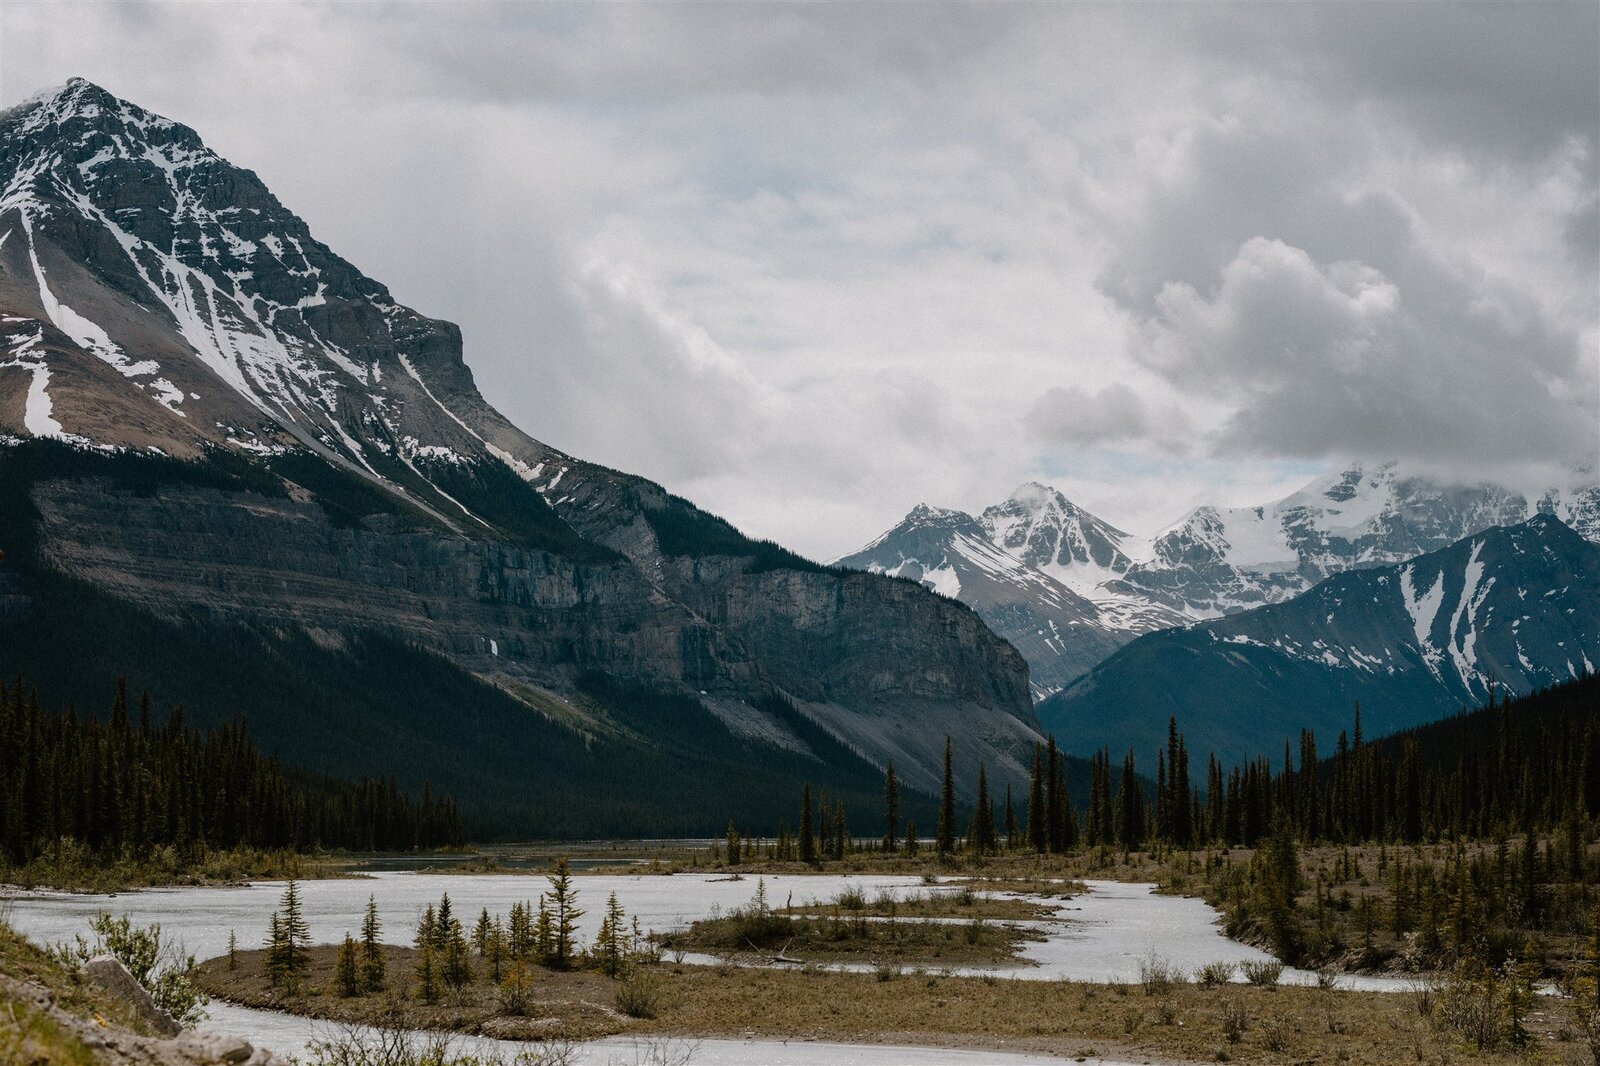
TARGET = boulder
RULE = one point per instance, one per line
(109, 974)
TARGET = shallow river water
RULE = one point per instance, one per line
(1106, 934)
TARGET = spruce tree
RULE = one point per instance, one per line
(611, 943)
(495, 949)
(945, 839)
(733, 844)
(277, 965)
(372, 964)
(480, 933)
(1038, 832)
(808, 842)
(1130, 807)
(1054, 793)
(519, 932)
(427, 974)
(544, 934)
(824, 843)
(346, 970)
(444, 923)
(1013, 836)
(427, 929)
(891, 809)
(564, 915)
(296, 933)
(981, 837)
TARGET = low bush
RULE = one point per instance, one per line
(639, 993)
(1261, 971)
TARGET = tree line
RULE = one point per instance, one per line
(127, 784)
(1524, 765)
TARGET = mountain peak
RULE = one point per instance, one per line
(924, 513)
(1050, 532)
(1034, 494)
(75, 98)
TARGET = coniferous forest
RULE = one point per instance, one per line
(128, 784)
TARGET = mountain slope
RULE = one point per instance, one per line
(1059, 632)
(1517, 607)
(154, 297)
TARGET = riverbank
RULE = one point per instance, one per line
(52, 1017)
(1123, 977)
(1155, 1022)
(1375, 910)
(74, 870)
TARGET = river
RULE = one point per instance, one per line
(1104, 936)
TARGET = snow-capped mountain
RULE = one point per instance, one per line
(156, 298)
(1516, 607)
(1051, 533)
(1060, 633)
(1089, 555)
(1217, 561)
(213, 315)
(1037, 544)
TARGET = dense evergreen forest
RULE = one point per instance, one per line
(124, 785)
(1527, 765)
(1464, 843)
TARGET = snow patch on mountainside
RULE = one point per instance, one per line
(1463, 640)
(1423, 610)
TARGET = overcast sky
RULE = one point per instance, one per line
(811, 265)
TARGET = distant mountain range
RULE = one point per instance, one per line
(1066, 587)
(1513, 607)
(333, 476)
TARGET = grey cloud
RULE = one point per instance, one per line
(1237, 182)
(1320, 359)
(609, 54)
(1074, 415)
(1509, 79)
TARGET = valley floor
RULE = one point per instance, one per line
(1154, 1022)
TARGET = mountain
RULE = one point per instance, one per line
(1087, 554)
(1060, 633)
(318, 475)
(1514, 607)
(1051, 533)
(1215, 562)
(1218, 561)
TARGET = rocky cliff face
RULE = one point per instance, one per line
(155, 297)
(500, 610)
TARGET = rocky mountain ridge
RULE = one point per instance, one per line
(157, 299)
(1061, 633)
(1513, 608)
(1213, 563)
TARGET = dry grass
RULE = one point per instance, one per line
(1184, 1023)
(857, 937)
(961, 901)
